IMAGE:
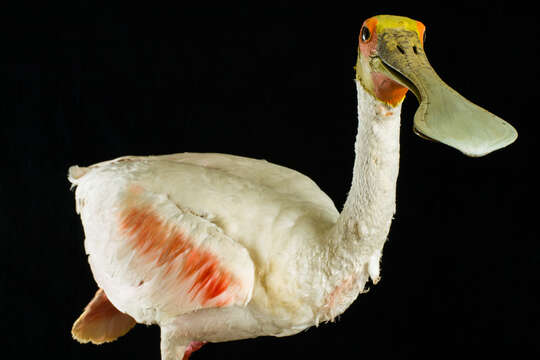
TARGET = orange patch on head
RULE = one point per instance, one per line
(367, 47)
(421, 31)
(158, 243)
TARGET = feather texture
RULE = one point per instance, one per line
(215, 247)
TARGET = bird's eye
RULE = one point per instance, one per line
(366, 34)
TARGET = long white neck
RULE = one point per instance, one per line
(363, 225)
(354, 244)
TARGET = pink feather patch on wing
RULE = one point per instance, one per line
(161, 243)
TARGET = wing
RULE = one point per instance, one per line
(278, 178)
(155, 260)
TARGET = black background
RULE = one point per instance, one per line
(86, 83)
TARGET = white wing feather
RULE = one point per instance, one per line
(153, 259)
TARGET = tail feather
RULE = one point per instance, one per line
(76, 172)
(101, 322)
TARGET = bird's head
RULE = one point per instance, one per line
(391, 61)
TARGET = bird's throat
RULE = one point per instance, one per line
(387, 90)
(365, 220)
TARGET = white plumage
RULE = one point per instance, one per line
(216, 247)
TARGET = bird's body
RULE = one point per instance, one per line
(215, 247)
(292, 260)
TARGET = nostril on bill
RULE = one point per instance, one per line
(415, 50)
(401, 49)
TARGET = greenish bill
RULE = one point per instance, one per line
(443, 115)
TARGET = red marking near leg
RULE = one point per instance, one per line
(162, 244)
(192, 347)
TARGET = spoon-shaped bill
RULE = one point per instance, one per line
(443, 115)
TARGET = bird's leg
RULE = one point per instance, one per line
(173, 347)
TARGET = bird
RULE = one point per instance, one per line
(214, 247)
